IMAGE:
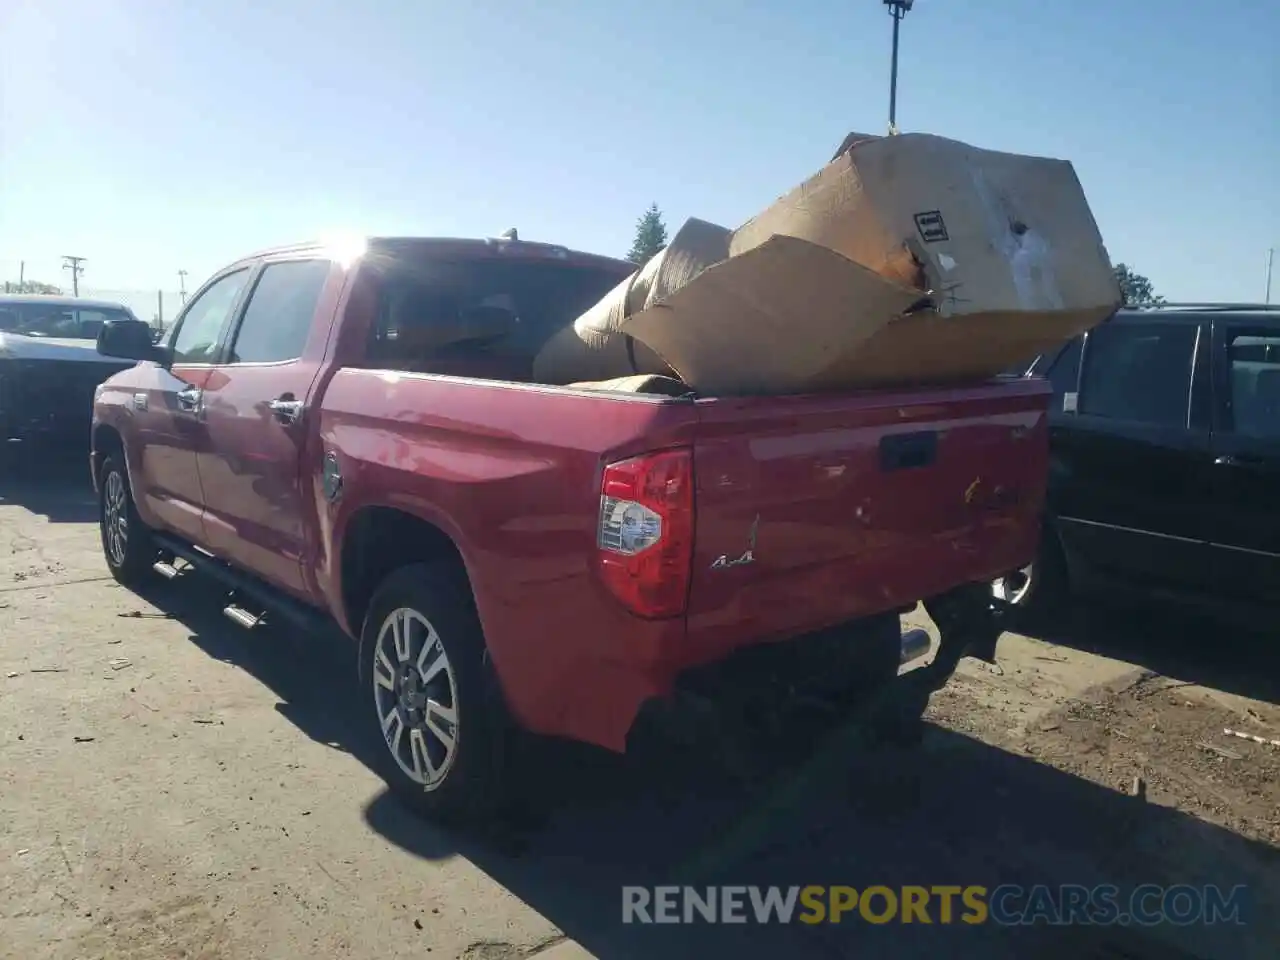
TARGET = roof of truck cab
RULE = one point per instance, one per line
(457, 246)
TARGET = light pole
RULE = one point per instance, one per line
(1271, 255)
(897, 9)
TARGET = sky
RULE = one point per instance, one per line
(151, 136)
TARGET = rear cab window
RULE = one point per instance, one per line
(478, 316)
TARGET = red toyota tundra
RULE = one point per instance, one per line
(354, 433)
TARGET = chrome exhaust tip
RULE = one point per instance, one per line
(916, 643)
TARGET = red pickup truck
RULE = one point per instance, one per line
(352, 433)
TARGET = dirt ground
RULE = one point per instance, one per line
(172, 786)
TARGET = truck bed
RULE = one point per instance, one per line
(846, 506)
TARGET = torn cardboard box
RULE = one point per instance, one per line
(983, 231)
(595, 347)
(907, 259)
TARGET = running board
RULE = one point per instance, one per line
(255, 592)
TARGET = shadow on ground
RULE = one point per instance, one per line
(1182, 644)
(51, 481)
(952, 811)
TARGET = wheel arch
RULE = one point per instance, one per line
(378, 540)
(105, 439)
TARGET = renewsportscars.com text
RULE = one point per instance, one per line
(1006, 905)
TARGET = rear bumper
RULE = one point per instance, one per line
(711, 716)
(608, 703)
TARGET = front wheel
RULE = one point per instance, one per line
(126, 540)
(435, 723)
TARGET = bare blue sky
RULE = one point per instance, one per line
(149, 135)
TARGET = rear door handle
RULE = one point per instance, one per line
(189, 400)
(285, 408)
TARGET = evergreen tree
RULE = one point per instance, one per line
(651, 236)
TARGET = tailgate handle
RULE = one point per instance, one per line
(907, 451)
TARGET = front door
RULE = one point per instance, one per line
(168, 410)
(1246, 451)
(255, 411)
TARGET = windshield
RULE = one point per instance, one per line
(57, 320)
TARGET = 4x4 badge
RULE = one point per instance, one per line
(723, 562)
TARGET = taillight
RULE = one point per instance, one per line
(645, 536)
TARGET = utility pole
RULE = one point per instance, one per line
(182, 285)
(22, 276)
(74, 264)
(1271, 255)
(897, 9)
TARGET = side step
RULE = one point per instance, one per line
(257, 594)
(243, 617)
(166, 569)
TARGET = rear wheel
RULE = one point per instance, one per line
(126, 540)
(436, 724)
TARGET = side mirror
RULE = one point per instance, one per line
(128, 340)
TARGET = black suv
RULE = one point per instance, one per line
(1165, 459)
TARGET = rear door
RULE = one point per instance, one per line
(255, 411)
(1131, 484)
(1246, 450)
(167, 409)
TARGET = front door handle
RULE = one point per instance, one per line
(285, 408)
(189, 400)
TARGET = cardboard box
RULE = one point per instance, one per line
(983, 231)
(910, 259)
(595, 347)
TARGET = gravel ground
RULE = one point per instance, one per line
(172, 786)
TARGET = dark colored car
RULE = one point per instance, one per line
(1164, 459)
(49, 364)
(360, 438)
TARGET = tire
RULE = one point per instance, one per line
(434, 720)
(1040, 588)
(884, 653)
(127, 545)
(892, 721)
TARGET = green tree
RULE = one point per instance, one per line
(1134, 287)
(32, 286)
(651, 236)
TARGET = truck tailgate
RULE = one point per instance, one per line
(816, 510)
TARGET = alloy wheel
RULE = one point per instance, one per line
(115, 518)
(415, 693)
